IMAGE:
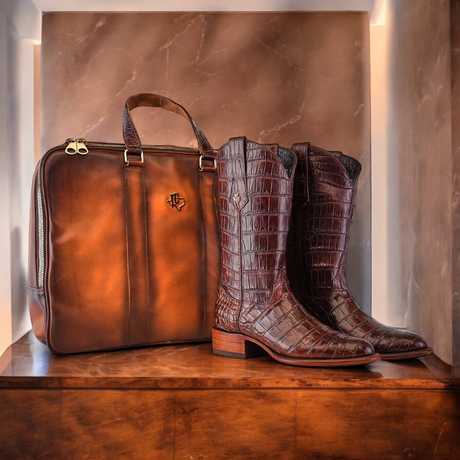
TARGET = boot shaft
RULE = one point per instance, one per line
(323, 210)
(255, 195)
(255, 302)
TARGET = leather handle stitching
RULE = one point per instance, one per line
(130, 134)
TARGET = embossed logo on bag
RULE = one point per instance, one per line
(176, 201)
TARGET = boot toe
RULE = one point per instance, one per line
(364, 348)
(351, 347)
(396, 341)
(419, 344)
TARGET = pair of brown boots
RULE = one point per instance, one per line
(286, 215)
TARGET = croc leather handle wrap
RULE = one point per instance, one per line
(130, 135)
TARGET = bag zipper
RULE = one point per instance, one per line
(40, 230)
(72, 147)
(80, 146)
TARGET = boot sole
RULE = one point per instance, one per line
(406, 354)
(233, 345)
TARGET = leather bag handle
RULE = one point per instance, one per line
(130, 134)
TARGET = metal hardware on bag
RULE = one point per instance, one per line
(236, 198)
(176, 201)
(207, 168)
(71, 148)
(125, 156)
(81, 147)
(75, 146)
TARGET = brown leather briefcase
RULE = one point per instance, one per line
(124, 244)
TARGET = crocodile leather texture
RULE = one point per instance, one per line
(254, 296)
(323, 208)
(130, 135)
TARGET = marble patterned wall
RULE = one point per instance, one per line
(455, 56)
(273, 77)
(421, 165)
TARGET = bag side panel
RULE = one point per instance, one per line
(35, 295)
(87, 261)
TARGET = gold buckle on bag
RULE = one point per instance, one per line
(202, 167)
(125, 156)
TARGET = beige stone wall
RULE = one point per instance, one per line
(273, 77)
(420, 162)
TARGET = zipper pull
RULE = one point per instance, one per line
(75, 146)
(81, 147)
(71, 148)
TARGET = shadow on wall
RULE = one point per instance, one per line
(19, 310)
(20, 151)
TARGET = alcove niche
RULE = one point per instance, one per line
(370, 78)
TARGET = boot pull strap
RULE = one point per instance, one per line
(303, 152)
(239, 192)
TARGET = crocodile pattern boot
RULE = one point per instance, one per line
(255, 309)
(323, 207)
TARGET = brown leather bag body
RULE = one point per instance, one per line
(124, 246)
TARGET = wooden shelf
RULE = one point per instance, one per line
(181, 401)
(29, 364)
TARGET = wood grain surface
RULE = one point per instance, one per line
(182, 402)
(29, 364)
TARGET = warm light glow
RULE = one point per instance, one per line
(378, 13)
